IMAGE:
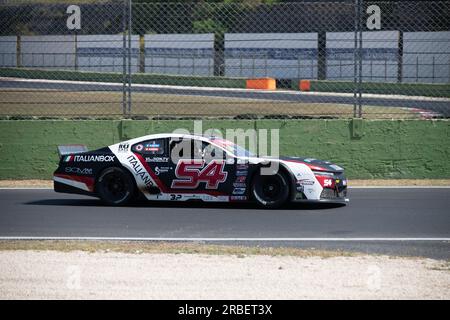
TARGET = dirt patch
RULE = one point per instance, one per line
(104, 103)
(26, 183)
(83, 275)
(142, 247)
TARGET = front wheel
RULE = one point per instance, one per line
(271, 191)
(115, 187)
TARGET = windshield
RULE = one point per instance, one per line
(233, 148)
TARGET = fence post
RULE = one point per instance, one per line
(360, 16)
(76, 52)
(417, 69)
(355, 60)
(18, 52)
(400, 58)
(432, 71)
(322, 55)
(129, 54)
(124, 59)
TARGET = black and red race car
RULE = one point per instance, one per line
(177, 167)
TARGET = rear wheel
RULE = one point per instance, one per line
(271, 191)
(115, 186)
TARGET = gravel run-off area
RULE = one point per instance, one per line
(31, 274)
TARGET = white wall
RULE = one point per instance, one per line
(279, 55)
(184, 54)
(105, 53)
(55, 52)
(8, 51)
(423, 49)
(380, 52)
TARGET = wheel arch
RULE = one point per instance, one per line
(284, 169)
(120, 166)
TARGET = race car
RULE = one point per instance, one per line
(180, 167)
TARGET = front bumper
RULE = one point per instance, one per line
(331, 201)
(334, 192)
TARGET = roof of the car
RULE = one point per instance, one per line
(173, 135)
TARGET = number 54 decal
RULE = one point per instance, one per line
(190, 173)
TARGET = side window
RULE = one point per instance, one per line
(185, 149)
(212, 152)
(156, 147)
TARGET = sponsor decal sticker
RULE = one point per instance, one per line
(239, 185)
(306, 182)
(241, 173)
(159, 170)
(241, 179)
(123, 147)
(239, 191)
(139, 171)
(94, 158)
(80, 171)
(157, 159)
(242, 167)
(238, 198)
(139, 147)
(68, 158)
(154, 147)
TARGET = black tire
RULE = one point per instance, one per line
(115, 187)
(270, 191)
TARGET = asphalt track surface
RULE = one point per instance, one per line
(397, 221)
(438, 105)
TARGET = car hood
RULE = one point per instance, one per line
(315, 164)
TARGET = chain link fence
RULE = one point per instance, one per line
(311, 59)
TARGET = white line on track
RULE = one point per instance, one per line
(225, 239)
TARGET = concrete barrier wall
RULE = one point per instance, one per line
(426, 57)
(379, 60)
(183, 54)
(276, 55)
(54, 52)
(367, 149)
(104, 53)
(8, 51)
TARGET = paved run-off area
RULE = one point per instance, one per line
(101, 275)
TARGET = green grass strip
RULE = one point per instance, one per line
(116, 77)
(408, 89)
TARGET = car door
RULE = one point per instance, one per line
(196, 170)
(156, 156)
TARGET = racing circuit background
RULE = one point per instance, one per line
(364, 84)
(312, 59)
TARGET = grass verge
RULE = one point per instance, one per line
(72, 104)
(406, 89)
(117, 77)
(140, 247)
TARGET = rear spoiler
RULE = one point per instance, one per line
(67, 149)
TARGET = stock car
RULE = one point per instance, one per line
(180, 167)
